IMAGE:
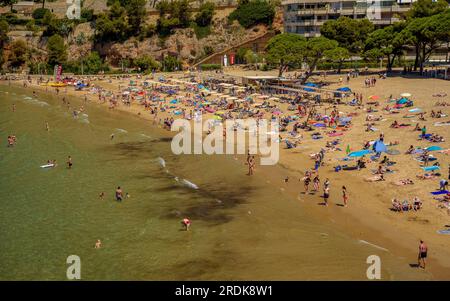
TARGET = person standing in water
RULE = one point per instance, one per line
(47, 127)
(423, 250)
(69, 162)
(186, 223)
(14, 107)
(119, 194)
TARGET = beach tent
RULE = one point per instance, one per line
(360, 153)
(434, 148)
(344, 89)
(374, 97)
(379, 146)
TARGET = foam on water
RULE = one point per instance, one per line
(122, 130)
(161, 162)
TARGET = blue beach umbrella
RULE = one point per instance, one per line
(379, 147)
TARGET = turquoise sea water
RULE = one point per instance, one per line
(242, 228)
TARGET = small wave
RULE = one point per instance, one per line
(84, 120)
(146, 136)
(189, 184)
(35, 101)
(85, 115)
(122, 130)
(161, 162)
(28, 98)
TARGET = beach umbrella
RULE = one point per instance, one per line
(402, 101)
(310, 85)
(405, 95)
(217, 117)
(434, 148)
(347, 151)
(415, 110)
(379, 146)
(277, 113)
(374, 97)
(308, 89)
(360, 153)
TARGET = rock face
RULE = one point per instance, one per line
(182, 43)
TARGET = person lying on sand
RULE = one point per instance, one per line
(403, 182)
(375, 178)
(427, 176)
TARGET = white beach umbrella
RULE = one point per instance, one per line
(405, 95)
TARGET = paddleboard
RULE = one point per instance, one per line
(47, 165)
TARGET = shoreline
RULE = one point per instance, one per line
(374, 227)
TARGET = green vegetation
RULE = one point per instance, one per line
(170, 64)
(253, 12)
(87, 15)
(173, 14)
(19, 54)
(349, 33)
(205, 14)
(146, 63)
(57, 51)
(210, 67)
(39, 13)
(91, 64)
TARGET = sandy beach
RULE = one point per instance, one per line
(368, 216)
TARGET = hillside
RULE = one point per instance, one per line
(189, 44)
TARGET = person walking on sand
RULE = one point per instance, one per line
(423, 250)
(344, 195)
(326, 194)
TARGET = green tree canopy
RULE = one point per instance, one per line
(350, 33)
(426, 8)
(205, 14)
(19, 54)
(57, 51)
(388, 42)
(253, 12)
(286, 50)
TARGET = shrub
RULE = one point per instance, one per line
(39, 13)
(253, 12)
(210, 66)
(171, 63)
(146, 63)
(87, 15)
(205, 15)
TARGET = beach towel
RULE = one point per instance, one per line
(430, 168)
(439, 192)
(445, 232)
(441, 123)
